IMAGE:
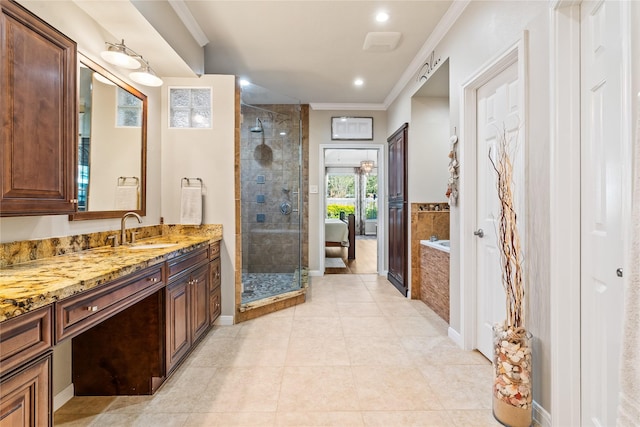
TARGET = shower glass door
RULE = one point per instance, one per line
(271, 177)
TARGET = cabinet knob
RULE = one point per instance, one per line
(153, 279)
(92, 308)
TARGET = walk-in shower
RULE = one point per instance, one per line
(270, 178)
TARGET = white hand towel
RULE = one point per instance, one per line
(126, 197)
(191, 206)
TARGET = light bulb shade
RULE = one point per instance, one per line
(146, 77)
(117, 55)
(366, 166)
(102, 79)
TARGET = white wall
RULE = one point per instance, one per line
(320, 133)
(208, 154)
(483, 31)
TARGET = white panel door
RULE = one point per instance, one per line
(497, 109)
(602, 294)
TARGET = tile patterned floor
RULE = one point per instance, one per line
(355, 354)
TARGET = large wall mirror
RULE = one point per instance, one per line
(112, 145)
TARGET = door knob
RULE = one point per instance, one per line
(619, 272)
(479, 232)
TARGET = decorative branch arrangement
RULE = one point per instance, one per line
(508, 236)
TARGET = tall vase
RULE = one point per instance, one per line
(512, 394)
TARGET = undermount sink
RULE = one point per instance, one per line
(152, 246)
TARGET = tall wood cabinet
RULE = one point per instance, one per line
(398, 263)
(38, 115)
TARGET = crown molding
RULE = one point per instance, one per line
(348, 107)
(444, 25)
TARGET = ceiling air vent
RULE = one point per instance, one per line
(381, 42)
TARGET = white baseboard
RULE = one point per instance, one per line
(63, 397)
(315, 273)
(224, 321)
(455, 337)
(540, 416)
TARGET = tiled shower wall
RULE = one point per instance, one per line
(269, 177)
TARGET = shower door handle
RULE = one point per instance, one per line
(297, 194)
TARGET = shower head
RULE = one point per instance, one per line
(258, 127)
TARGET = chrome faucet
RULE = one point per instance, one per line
(123, 229)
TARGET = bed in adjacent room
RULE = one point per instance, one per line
(338, 232)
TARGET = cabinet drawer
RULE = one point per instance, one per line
(184, 262)
(215, 304)
(78, 313)
(25, 337)
(214, 250)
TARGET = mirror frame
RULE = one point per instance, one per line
(88, 215)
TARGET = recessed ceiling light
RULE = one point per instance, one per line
(244, 82)
(358, 82)
(382, 17)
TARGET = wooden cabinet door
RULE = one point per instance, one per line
(178, 340)
(38, 116)
(199, 301)
(25, 397)
(215, 280)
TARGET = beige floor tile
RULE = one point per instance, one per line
(474, 418)
(440, 350)
(267, 326)
(394, 388)
(398, 308)
(317, 327)
(86, 405)
(358, 309)
(317, 351)
(74, 420)
(317, 309)
(407, 418)
(231, 419)
(416, 326)
(460, 386)
(376, 351)
(140, 420)
(241, 389)
(224, 331)
(322, 388)
(319, 419)
(129, 404)
(371, 326)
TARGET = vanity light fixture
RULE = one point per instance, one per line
(146, 76)
(122, 56)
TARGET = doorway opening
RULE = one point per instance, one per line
(350, 209)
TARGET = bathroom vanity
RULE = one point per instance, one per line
(434, 276)
(134, 313)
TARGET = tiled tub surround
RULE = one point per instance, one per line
(40, 272)
(427, 219)
(434, 277)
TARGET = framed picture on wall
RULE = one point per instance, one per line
(349, 128)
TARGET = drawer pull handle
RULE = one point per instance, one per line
(153, 279)
(92, 308)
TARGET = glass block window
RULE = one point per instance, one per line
(190, 107)
(129, 108)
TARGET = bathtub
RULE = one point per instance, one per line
(441, 245)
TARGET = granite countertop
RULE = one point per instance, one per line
(30, 285)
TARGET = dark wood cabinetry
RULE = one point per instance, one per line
(25, 379)
(187, 307)
(215, 281)
(38, 115)
(398, 218)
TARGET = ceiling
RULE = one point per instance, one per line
(307, 50)
(313, 50)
